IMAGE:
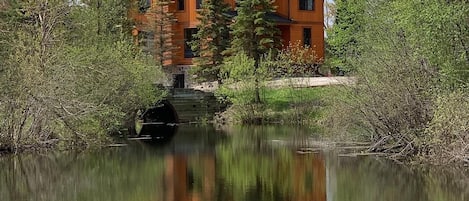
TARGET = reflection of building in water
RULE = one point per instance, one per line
(309, 178)
(180, 182)
(193, 178)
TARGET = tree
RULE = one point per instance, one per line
(33, 39)
(161, 31)
(8, 15)
(211, 40)
(240, 82)
(446, 42)
(121, 76)
(342, 37)
(72, 74)
(254, 33)
(411, 64)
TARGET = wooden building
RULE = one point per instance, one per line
(298, 20)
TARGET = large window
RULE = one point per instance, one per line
(181, 4)
(307, 36)
(306, 4)
(188, 37)
(198, 4)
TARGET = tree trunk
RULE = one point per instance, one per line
(130, 123)
(257, 97)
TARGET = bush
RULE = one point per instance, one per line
(69, 82)
(409, 99)
(447, 134)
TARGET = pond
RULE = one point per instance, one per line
(236, 164)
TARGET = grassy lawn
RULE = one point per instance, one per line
(290, 105)
(296, 106)
(286, 98)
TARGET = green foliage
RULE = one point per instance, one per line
(342, 38)
(294, 60)
(447, 134)
(253, 32)
(239, 77)
(161, 27)
(438, 33)
(241, 86)
(410, 53)
(392, 96)
(286, 105)
(296, 106)
(72, 74)
(8, 16)
(211, 40)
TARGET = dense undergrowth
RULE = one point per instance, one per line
(411, 63)
(69, 75)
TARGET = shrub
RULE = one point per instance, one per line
(447, 135)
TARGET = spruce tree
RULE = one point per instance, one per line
(211, 40)
(254, 33)
(162, 22)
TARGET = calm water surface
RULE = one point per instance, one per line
(202, 164)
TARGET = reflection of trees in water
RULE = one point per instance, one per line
(28, 175)
(451, 185)
(243, 167)
(107, 175)
(260, 173)
(368, 180)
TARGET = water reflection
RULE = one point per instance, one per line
(159, 134)
(201, 163)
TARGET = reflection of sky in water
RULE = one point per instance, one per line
(204, 164)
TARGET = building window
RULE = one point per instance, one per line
(306, 4)
(307, 37)
(181, 4)
(144, 5)
(188, 38)
(198, 4)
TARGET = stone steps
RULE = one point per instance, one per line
(192, 105)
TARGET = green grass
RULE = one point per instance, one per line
(295, 106)
(302, 106)
(286, 98)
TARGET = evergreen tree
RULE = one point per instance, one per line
(211, 40)
(158, 34)
(254, 33)
(163, 27)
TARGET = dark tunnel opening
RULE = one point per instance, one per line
(160, 121)
(163, 112)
